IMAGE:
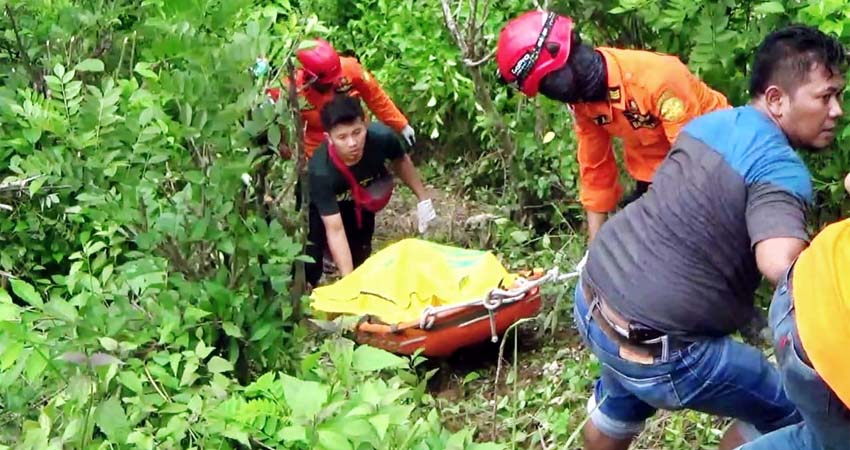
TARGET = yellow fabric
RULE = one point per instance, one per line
(821, 290)
(398, 282)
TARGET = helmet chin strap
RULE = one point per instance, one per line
(583, 79)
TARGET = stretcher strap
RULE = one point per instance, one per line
(496, 298)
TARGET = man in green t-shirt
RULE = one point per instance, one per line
(349, 182)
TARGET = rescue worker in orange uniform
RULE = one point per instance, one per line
(324, 73)
(642, 97)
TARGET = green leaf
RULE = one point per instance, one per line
(35, 366)
(132, 381)
(61, 309)
(519, 236)
(193, 314)
(32, 135)
(307, 44)
(261, 331)
(231, 329)
(112, 420)
(332, 440)
(305, 398)
(371, 359)
(109, 344)
(36, 185)
(26, 292)
(274, 136)
(769, 8)
(189, 376)
(219, 365)
(9, 313)
(10, 355)
(238, 435)
(5, 297)
(66, 79)
(381, 423)
(143, 69)
(90, 65)
(294, 433)
(94, 248)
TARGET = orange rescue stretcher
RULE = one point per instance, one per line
(418, 295)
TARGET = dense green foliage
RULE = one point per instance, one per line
(147, 233)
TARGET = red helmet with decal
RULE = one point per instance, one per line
(321, 61)
(531, 46)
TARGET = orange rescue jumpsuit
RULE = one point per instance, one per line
(356, 82)
(651, 96)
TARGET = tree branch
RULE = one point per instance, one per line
(451, 24)
(481, 61)
(37, 80)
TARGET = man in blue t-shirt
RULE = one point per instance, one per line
(670, 277)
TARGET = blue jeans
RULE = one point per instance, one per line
(717, 376)
(826, 424)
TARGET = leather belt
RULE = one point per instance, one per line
(617, 327)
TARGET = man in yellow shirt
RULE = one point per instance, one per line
(810, 318)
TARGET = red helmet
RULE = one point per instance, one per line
(531, 46)
(321, 61)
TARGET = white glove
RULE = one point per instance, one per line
(425, 214)
(847, 183)
(409, 135)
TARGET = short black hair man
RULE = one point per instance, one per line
(673, 275)
(349, 183)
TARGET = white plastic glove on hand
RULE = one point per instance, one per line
(409, 135)
(425, 214)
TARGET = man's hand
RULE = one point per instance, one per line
(425, 214)
(847, 183)
(409, 135)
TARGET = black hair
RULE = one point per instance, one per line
(342, 109)
(786, 57)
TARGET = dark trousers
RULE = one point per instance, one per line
(359, 239)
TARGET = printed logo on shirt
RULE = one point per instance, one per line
(638, 120)
(344, 85)
(670, 107)
(602, 119)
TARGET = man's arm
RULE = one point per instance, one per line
(594, 223)
(599, 187)
(774, 256)
(338, 243)
(776, 220)
(404, 169)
